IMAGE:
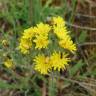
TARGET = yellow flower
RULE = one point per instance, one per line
(41, 42)
(26, 40)
(42, 29)
(59, 62)
(5, 42)
(28, 33)
(42, 64)
(67, 43)
(58, 21)
(8, 63)
(25, 45)
(61, 32)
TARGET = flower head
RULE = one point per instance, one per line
(26, 40)
(58, 21)
(61, 32)
(28, 33)
(59, 62)
(67, 43)
(42, 29)
(41, 42)
(8, 63)
(42, 64)
(4, 42)
(25, 45)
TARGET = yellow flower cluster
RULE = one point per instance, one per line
(40, 33)
(26, 40)
(40, 38)
(8, 63)
(45, 64)
(63, 34)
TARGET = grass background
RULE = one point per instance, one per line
(80, 78)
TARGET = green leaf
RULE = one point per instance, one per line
(82, 37)
(76, 68)
(35, 11)
(4, 85)
(47, 4)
